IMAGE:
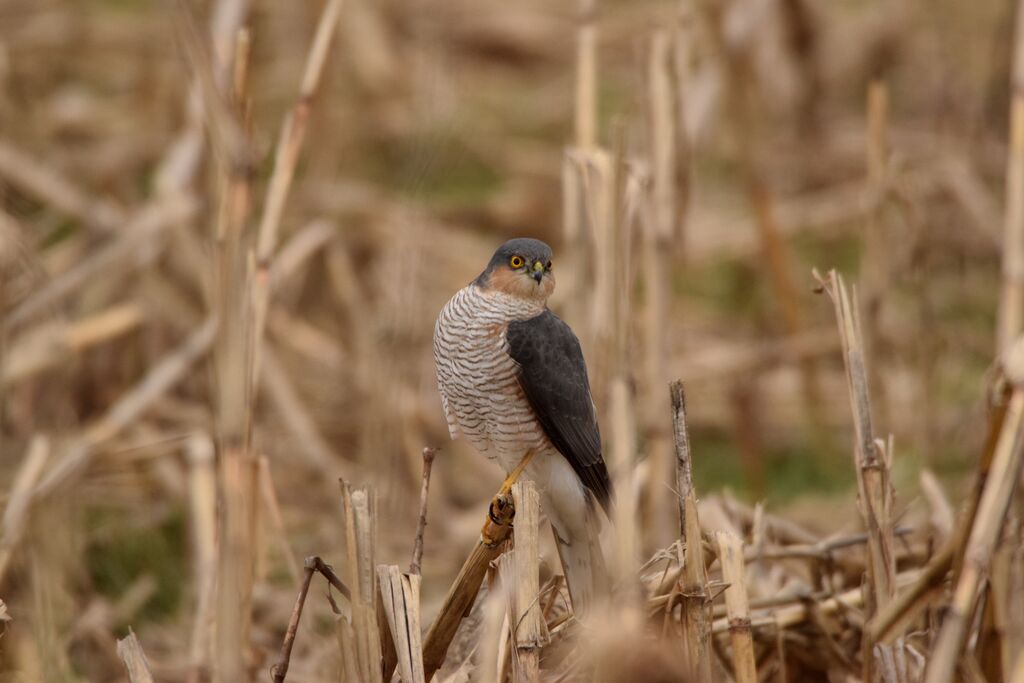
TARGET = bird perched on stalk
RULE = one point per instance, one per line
(513, 382)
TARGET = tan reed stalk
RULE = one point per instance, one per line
(658, 235)
(401, 603)
(694, 590)
(467, 584)
(1011, 302)
(1006, 584)
(874, 486)
(977, 555)
(359, 509)
(130, 652)
(586, 76)
(202, 489)
(238, 476)
(19, 498)
(874, 269)
(286, 158)
(730, 554)
(527, 622)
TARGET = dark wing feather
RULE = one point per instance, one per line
(553, 376)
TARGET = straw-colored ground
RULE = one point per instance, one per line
(226, 228)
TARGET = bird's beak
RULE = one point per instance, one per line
(538, 271)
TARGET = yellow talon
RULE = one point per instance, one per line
(498, 511)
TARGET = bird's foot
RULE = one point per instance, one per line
(499, 517)
(502, 509)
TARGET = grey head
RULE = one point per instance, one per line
(520, 267)
(524, 255)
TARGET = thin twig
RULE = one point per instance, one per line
(421, 525)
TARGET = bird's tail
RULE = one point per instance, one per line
(583, 564)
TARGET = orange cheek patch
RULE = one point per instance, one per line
(518, 284)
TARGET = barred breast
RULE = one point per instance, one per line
(477, 378)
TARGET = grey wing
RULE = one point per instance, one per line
(553, 376)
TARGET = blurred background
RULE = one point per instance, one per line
(165, 166)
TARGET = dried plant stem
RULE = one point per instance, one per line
(730, 553)
(874, 487)
(467, 584)
(19, 499)
(421, 525)
(286, 157)
(312, 564)
(359, 509)
(130, 652)
(280, 670)
(202, 488)
(694, 590)
(526, 619)
(992, 508)
(1011, 303)
(586, 76)
(400, 595)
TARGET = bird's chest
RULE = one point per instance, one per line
(479, 384)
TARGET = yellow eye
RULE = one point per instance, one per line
(516, 262)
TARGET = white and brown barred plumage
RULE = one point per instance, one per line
(512, 379)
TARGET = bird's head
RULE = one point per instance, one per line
(520, 267)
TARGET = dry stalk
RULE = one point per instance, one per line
(280, 670)
(730, 553)
(401, 602)
(19, 499)
(874, 486)
(286, 157)
(874, 271)
(421, 524)
(359, 508)
(658, 236)
(463, 591)
(694, 594)
(527, 622)
(130, 652)
(977, 554)
(1011, 303)
(202, 488)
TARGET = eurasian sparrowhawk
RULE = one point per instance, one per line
(513, 382)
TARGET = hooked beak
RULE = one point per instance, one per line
(538, 271)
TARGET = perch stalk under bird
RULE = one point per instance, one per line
(513, 382)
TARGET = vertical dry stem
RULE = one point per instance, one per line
(992, 508)
(130, 652)
(400, 595)
(359, 508)
(526, 619)
(1011, 304)
(467, 584)
(695, 598)
(730, 553)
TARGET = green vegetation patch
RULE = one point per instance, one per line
(128, 552)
